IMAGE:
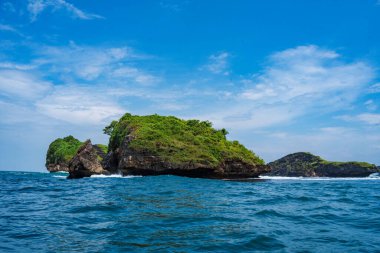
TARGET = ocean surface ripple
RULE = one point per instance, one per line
(43, 212)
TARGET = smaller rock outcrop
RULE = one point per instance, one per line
(87, 162)
(304, 164)
(58, 167)
(60, 152)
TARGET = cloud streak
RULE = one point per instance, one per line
(21, 84)
(218, 63)
(8, 28)
(297, 81)
(82, 106)
(36, 7)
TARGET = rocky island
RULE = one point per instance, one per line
(62, 150)
(157, 145)
(305, 164)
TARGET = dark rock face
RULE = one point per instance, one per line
(129, 162)
(86, 162)
(57, 167)
(307, 165)
(348, 169)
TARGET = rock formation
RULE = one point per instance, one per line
(60, 152)
(129, 162)
(86, 162)
(158, 145)
(304, 164)
(58, 167)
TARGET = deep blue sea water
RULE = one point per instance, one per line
(41, 212)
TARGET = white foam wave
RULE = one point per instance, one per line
(113, 176)
(374, 176)
(60, 176)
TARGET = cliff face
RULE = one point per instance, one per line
(87, 162)
(129, 162)
(159, 145)
(307, 165)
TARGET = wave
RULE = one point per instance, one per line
(60, 176)
(374, 176)
(112, 176)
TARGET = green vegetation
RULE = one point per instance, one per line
(361, 164)
(176, 140)
(62, 150)
(103, 147)
(307, 164)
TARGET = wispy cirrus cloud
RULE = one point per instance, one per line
(308, 73)
(218, 63)
(78, 83)
(9, 28)
(36, 7)
(366, 118)
(296, 82)
(374, 88)
(80, 105)
(21, 84)
(112, 64)
(371, 105)
(16, 66)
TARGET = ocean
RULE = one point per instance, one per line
(42, 212)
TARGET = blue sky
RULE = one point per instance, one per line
(281, 76)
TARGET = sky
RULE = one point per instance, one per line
(282, 76)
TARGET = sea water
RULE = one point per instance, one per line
(42, 212)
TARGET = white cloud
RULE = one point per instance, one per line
(308, 73)
(91, 64)
(370, 105)
(248, 116)
(335, 130)
(375, 88)
(135, 74)
(12, 113)
(9, 28)
(16, 66)
(296, 82)
(369, 118)
(79, 106)
(218, 63)
(14, 83)
(36, 7)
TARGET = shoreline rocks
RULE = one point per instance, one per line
(303, 164)
(129, 162)
(57, 167)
